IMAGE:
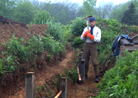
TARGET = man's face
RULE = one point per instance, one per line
(92, 23)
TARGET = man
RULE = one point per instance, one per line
(92, 36)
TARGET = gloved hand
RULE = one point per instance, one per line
(85, 34)
(90, 36)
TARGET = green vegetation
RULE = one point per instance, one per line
(121, 81)
(67, 33)
(19, 51)
(24, 12)
(131, 15)
(110, 31)
(78, 43)
(41, 17)
(118, 11)
(72, 74)
(78, 26)
(113, 25)
(52, 46)
(56, 30)
(35, 11)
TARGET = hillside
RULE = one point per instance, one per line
(52, 53)
(43, 37)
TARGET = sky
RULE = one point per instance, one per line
(114, 1)
(98, 1)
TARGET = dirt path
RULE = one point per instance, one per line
(86, 90)
(47, 74)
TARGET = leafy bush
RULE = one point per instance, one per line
(108, 37)
(73, 75)
(121, 81)
(77, 42)
(133, 28)
(113, 25)
(34, 46)
(56, 30)
(52, 46)
(41, 17)
(15, 47)
(67, 34)
(10, 64)
(78, 26)
(71, 38)
(20, 51)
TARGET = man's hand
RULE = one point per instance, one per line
(85, 34)
(90, 36)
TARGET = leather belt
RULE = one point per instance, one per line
(89, 42)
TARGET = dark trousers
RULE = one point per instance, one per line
(90, 49)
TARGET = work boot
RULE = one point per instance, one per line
(97, 79)
(86, 76)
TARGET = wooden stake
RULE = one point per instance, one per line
(83, 70)
(64, 88)
(30, 85)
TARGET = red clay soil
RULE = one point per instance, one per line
(7, 30)
(87, 89)
(20, 30)
(46, 74)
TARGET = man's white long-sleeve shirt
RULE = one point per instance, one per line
(96, 34)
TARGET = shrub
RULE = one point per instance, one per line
(10, 63)
(20, 51)
(78, 26)
(41, 17)
(133, 28)
(108, 37)
(52, 46)
(55, 30)
(113, 25)
(67, 34)
(15, 47)
(73, 75)
(34, 46)
(77, 42)
(121, 81)
(71, 38)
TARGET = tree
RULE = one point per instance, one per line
(24, 12)
(41, 17)
(6, 8)
(61, 11)
(104, 10)
(135, 3)
(89, 6)
(130, 16)
(118, 11)
(81, 12)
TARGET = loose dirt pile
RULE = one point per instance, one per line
(8, 21)
(45, 75)
(21, 30)
(9, 27)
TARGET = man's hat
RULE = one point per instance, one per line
(92, 19)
